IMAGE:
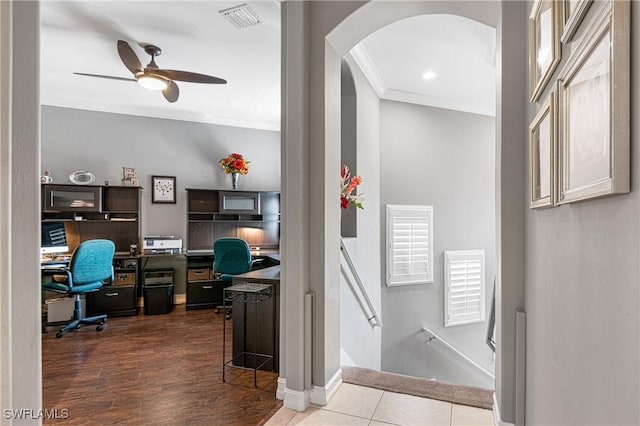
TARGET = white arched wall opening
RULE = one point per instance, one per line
(315, 37)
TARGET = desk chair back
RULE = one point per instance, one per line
(91, 264)
(232, 256)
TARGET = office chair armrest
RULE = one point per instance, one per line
(63, 272)
(254, 263)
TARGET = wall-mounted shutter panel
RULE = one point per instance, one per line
(464, 287)
(409, 244)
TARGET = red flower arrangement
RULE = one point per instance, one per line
(235, 163)
(349, 184)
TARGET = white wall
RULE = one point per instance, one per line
(582, 294)
(103, 143)
(445, 159)
(358, 339)
(20, 347)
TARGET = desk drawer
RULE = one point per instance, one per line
(202, 274)
(124, 278)
(205, 294)
(113, 301)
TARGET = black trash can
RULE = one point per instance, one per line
(157, 291)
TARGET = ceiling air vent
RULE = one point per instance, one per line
(241, 16)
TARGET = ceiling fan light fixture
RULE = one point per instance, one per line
(152, 82)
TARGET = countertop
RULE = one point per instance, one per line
(270, 275)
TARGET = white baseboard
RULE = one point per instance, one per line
(296, 400)
(497, 421)
(320, 395)
(282, 385)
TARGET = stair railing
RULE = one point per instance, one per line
(448, 345)
(361, 292)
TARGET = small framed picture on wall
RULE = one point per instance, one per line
(163, 189)
(542, 151)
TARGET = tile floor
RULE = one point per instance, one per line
(358, 405)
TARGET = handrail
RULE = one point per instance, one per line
(472, 362)
(363, 290)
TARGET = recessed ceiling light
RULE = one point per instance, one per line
(429, 75)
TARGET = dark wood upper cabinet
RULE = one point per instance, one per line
(239, 202)
(89, 211)
(251, 215)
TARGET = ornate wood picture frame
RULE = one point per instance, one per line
(573, 13)
(542, 155)
(544, 44)
(163, 189)
(593, 100)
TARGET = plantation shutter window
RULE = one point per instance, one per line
(409, 244)
(464, 287)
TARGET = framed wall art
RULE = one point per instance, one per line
(573, 13)
(163, 189)
(593, 100)
(544, 44)
(542, 154)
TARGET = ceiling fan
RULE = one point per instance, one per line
(151, 76)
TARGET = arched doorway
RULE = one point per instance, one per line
(320, 34)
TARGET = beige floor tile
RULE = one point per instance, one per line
(409, 410)
(355, 400)
(463, 415)
(281, 417)
(317, 417)
(377, 423)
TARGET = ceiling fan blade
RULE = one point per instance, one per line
(128, 57)
(105, 76)
(190, 77)
(172, 92)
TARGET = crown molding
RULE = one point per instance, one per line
(363, 60)
(415, 98)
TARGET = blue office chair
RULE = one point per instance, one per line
(91, 264)
(232, 256)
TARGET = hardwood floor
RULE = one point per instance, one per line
(152, 370)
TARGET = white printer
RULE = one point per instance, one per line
(162, 244)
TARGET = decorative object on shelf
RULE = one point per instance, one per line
(349, 184)
(129, 176)
(234, 179)
(46, 178)
(234, 165)
(82, 177)
(163, 189)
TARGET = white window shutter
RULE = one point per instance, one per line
(464, 287)
(409, 245)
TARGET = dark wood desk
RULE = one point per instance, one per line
(268, 313)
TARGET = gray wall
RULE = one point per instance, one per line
(446, 159)
(582, 296)
(359, 341)
(103, 143)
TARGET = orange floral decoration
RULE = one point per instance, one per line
(235, 163)
(349, 184)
